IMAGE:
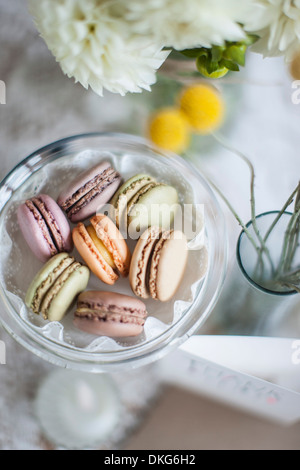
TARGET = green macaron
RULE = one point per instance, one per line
(142, 202)
(156, 205)
(124, 195)
(56, 286)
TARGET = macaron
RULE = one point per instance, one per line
(110, 314)
(125, 193)
(142, 202)
(56, 286)
(158, 264)
(103, 248)
(44, 227)
(88, 193)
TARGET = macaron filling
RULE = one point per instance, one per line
(43, 226)
(153, 269)
(114, 243)
(50, 222)
(56, 288)
(101, 247)
(88, 242)
(142, 276)
(111, 313)
(135, 200)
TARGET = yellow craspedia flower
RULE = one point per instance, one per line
(204, 107)
(169, 129)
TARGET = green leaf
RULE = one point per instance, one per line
(217, 53)
(212, 66)
(202, 63)
(229, 65)
(194, 53)
(236, 54)
(206, 67)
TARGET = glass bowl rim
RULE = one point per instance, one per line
(158, 344)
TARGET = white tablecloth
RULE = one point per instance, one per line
(43, 105)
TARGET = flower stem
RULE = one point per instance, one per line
(290, 244)
(279, 276)
(263, 247)
(232, 210)
(287, 204)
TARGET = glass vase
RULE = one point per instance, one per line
(250, 302)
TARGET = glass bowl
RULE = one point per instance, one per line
(46, 170)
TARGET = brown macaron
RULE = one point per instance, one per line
(110, 314)
(158, 263)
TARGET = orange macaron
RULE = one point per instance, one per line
(103, 248)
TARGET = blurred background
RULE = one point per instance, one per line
(43, 105)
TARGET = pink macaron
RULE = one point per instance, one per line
(44, 227)
(110, 314)
(88, 193)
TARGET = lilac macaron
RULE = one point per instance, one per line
(44, 227)
(110, 314)
(87, 194)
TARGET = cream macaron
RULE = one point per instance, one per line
(158, 263)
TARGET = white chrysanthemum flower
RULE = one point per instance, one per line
(95, 46)
(193, 23)
(277, 23)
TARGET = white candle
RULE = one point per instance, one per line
(77, 410)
